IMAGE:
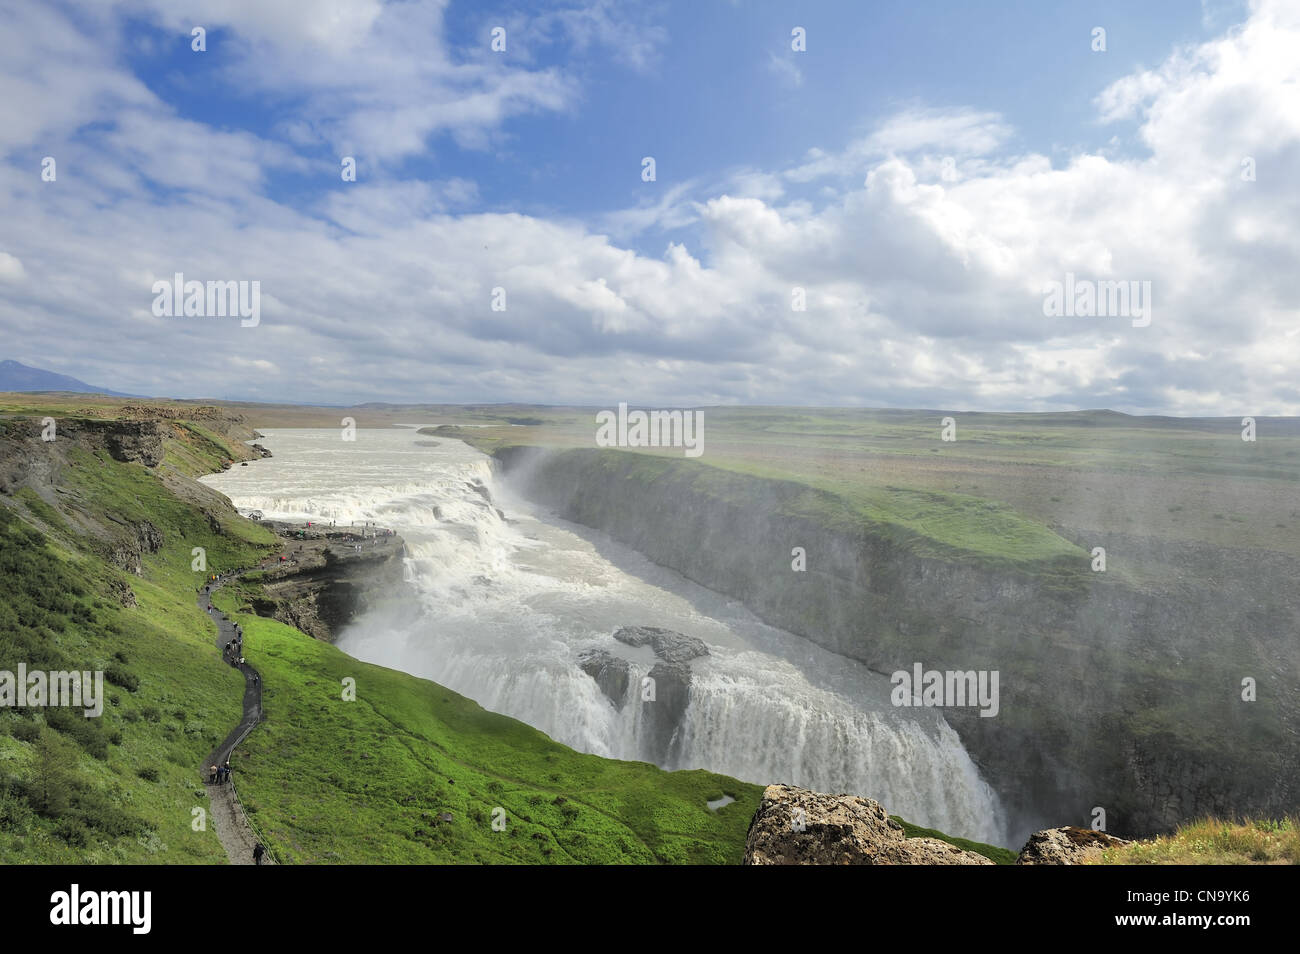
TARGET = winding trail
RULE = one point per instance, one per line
(228, 818)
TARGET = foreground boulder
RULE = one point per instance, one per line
(1066, 846)
(795, 826)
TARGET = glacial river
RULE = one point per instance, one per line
(499, 609)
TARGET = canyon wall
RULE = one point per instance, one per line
(1110, 697)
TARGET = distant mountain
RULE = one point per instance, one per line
(19, 377)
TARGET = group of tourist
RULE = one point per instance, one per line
(234, 651)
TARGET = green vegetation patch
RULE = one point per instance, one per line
(120, 788)
(1001, 856)
(375, 779)
(1213, 841)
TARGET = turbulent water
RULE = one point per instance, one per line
(499, 610)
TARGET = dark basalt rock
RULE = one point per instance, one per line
(610, 672)
(670, 646)
(666, 694)
(662, 715)
(129, 550)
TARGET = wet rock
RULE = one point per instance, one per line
(662, 714)
(610, 673)
(479, 488)
(795, 826)
(1066, 846)
(670, 646)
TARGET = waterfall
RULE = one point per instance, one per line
(501, 599)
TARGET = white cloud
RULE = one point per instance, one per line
(785, 70)
(922, 290)
(954, 133)
(11, 269)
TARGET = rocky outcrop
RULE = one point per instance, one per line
(795, 826)
(138, 442)
(122, 592)
(610, 672)
(326, 583)
(131, 547)
(670, 646)
(667, 694)
(1067, 846)
(664, 703)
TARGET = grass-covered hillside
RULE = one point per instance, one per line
(324, 780)
(97, 538)
(374, 779)
(74, 524)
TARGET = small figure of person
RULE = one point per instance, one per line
(212, 775)
(258, 852)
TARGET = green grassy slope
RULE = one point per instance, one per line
(120, 788)
(328, 780)
(325, 780)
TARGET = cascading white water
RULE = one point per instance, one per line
(500, 609)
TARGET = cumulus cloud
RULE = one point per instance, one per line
(924, 280)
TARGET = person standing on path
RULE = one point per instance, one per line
(258, 852)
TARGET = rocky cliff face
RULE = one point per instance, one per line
(139, 442)
(39, 475)
(1110, 697)
(795, 826)
(668, 686)
(325, 583)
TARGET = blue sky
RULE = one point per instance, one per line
(918, 173)
(710, 98)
